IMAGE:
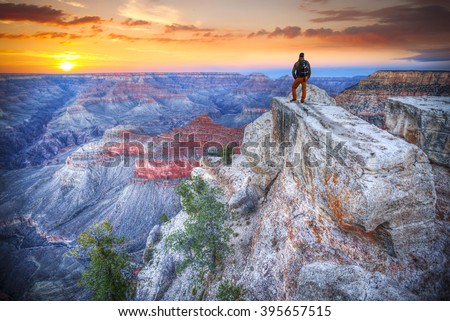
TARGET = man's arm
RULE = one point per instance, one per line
(294, 70)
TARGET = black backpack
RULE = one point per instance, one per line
(302, 69)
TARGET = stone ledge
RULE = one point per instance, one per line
(367, 180)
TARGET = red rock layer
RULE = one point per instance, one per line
(174, 154)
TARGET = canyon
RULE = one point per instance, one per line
(79, 149)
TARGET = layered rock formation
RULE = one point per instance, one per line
(425, 122)
(343, 216)
(368, 98)
(43, 116)
(174, 154)
(43, 210)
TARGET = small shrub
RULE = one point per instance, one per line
(164, 218)
(230, 292)
(148, 254)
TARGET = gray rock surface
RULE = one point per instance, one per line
(314, 95)
(330, 282)
(422, 121)
(154, 236)
(363, 177)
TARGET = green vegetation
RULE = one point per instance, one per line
(106, 271)
(164, 218)
(203, 240)
(230, 292)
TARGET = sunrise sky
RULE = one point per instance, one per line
(79, 36)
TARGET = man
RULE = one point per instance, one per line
(301, 73)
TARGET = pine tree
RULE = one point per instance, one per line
(204, 237)
(106, 271)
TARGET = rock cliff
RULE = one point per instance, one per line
(425, 122)
(329, 208)
(368, 98)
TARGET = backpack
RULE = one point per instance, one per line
(303, 68)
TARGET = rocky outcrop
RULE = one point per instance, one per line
(368, 98)
(329, 281)
(425, 122)
(315, 95)
(361, 176)
(343, 216)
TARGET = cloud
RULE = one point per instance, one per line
(41, 35)
(415, 14)
(431, 55)
(308, 3)
(73, 4)
(174, 27)
(211, 35)
(131, 22)
(340, 15)
(43, 14)
(260, 33)
(96, 29)
(149, 10)
(287, 32)
(415, 25)
(322, 32)
(122, 37)
(83, 20)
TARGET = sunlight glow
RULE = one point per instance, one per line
(66, 66)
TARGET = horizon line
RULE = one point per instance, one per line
(194, 72)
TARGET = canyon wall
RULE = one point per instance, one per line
(368, 98)
(425, 122)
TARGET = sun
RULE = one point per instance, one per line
(66, 66)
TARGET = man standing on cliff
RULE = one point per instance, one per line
(301, 73)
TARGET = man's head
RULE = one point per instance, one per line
(301, 56)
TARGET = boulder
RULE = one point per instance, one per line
(331, 282)
(364, 178)
(424, 122)
(154, 236)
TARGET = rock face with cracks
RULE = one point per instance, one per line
(425, 122)
(344, 216)
(367, 180)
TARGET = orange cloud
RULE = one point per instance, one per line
(287, 32)
(41, 35)
(156, 39)
(131, 22)
(177, 27)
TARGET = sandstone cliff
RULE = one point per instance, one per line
(368, 98)
(329, 208)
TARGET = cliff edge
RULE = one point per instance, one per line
(329, 208)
